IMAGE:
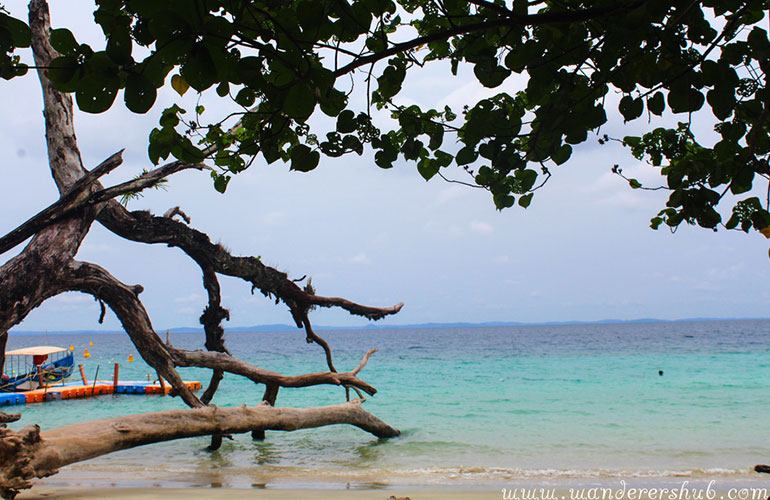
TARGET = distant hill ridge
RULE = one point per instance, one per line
(279, 327)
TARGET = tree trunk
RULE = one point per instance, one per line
(29, 453)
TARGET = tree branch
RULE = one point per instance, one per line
(229, 364)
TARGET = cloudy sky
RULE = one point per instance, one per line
(582, 251)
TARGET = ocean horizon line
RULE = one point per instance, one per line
(279, 327)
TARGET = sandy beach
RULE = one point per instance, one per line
(253, 494)
(707, 490)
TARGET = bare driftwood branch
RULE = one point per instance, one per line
(171, 212)
(80, 195)
(147, 228)
(29, 453)
(363, 362)
(124, 301)
(230, 364)
(75, 198)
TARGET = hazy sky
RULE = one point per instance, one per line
(582, 251)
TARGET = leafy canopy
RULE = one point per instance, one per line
(283, 62)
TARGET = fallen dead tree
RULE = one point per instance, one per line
(29, 453)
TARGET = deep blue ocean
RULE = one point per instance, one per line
(477, 406)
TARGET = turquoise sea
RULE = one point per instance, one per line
(478, 406)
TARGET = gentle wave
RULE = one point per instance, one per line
(420, 475)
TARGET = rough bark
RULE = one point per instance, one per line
(29, 453)
(9, 417)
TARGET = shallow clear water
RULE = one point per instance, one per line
(476, 406)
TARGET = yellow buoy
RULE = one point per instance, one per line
(72, 348)
(86, 354)
(90, 344)
(130, 358)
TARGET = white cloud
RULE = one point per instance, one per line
(193, 297)
(360, 258)
(482, 227)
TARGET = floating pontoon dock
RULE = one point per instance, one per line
(77, 390)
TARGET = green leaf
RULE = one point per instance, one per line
(21, 35)
(490, 74)
(525, 200)
(300, 102)
(346, 122)
(170, 116)
(199, 70)
(184, 150)
(635, 184)
(246, 97)
(309, 14)
(63, 41)
(223, 89)
(503, 200)
(412, 148)
(443, 159)
(352, 143)
(61, 71)
(428, 167)
(220, 182)
(561, 155)
(119, 47)
(303, 159)
(333, 102)
(685, 101)
(388, 152)
(656, 104)
(630, 108)
(466, 156)
(526, 179)
(391, 80)
(161, 142)
(98, 95)
(140, 93)
(722, 101)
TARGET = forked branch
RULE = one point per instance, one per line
(84, 193)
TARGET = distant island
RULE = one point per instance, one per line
(281, 327)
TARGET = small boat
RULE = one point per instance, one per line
(33, 367)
